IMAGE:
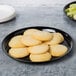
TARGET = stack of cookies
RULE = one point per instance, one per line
(39, 46)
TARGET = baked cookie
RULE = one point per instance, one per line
(30, 31)
(58, 50)
(16, 42)
(30, 41)
(42, 35)
(62, 37)
(39, 49)
(57, 38)
(18, 52)
(40, 57)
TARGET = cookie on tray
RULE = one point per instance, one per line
(40, 57)
(58, 50)
(18, 52)
(57, 38)
(30, 31)
(30, 41)
(16, 42)
(42, 35)
(39, 49)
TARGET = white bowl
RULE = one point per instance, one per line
(6, 13)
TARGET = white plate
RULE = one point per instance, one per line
(6, 13)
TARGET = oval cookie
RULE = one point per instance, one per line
(29, 41)
(57, 38)
(60, 36)
(58, 50)
(39, 49)
(30, 31)
(18, 52)
(16, 42)
(40, 57)
(42, 35)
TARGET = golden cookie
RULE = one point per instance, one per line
(30, 31)
(42, 35)
(61, 36)
(15, 42)
(29, 41)
(58, 50)
(39, 49)
(57, 38)
(40, 57)
(18, 52)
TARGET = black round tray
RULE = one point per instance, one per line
(68, 41)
